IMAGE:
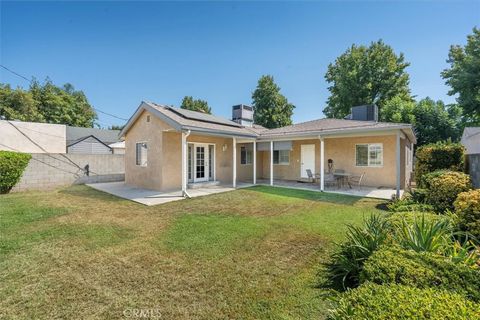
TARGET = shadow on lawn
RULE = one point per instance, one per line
(308, 195)
(87, 192)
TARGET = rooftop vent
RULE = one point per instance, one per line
(243, 115)
(364, 113)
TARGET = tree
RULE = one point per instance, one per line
(47, 103)
(116, 127)
(272, 109)
(463, 76)
(195, 105)
(366, 75)
(432, 120)
(18, 104)
(63, 105)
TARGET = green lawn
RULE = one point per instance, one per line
(254, 253)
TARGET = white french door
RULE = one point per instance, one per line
(200, 162)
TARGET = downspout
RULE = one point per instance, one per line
(184, 164)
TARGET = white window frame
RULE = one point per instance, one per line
(138, 161)
(369, 146)
(280, 163)
(248, 161)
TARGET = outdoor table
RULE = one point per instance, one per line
(343, 177)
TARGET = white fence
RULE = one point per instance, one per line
(51, 170)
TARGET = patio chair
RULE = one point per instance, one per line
(310, 175)
(329, 180)
(357, 180)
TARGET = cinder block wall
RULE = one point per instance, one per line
(51, 170)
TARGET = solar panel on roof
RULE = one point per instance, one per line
(193, 115)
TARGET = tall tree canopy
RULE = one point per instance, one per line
(272, 109)
(432, 120)
(47, 103)
(195, 105)
(463, 76)
(366, 75)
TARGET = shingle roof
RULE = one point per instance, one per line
(182, 119)
(106, 136)
(330, 125)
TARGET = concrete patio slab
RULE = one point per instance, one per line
(152, 197)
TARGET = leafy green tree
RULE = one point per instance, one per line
(116, 127)
(398, 110)
(195, 105)
(272, 109)
(63, 105)
(366, 75)
(463, 76)
(18, 104)
(433, 120)
(47, 103)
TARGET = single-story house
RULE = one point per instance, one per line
(471, 142)
(118, 147)
(168, 148)
(90, 140)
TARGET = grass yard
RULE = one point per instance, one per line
(248, 254)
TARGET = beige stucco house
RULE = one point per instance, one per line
(169, 149)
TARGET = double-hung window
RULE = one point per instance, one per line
(246, 156)
(141, 154)
(369, 155)
(281, 157)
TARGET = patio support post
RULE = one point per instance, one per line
(271, 163)
(234, 163)
(398, 163)
(322, 164)
(184, 164)
(254, 162)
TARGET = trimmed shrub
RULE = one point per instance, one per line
(438, 156)
(372, 301)
(397, 219)
(422, 270)
(12, 165)
(408, 205)
(360, 243)
(443, 188)
(467, 208)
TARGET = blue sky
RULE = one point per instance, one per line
(120, 53)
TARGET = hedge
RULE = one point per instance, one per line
(443, 188)
(467, 208)
(12, 165)
(438, 156)
(372, 301)
(396, 219)
(423, 270)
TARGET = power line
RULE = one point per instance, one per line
(30, 81)
(17, 74)
(111, 115)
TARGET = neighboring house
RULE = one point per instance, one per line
(167, 148)
(91, 140)
(471, 142)
(32, 137)
(118, 147)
